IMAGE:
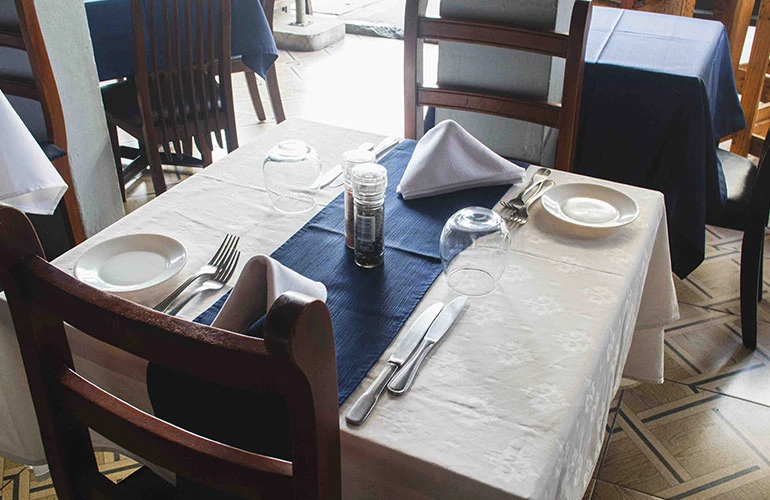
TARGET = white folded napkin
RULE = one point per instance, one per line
(448, 159)
(28, 181)
(261, 282)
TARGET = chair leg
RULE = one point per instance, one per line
(761, 290)
(275, 95)
(156, 171)
(751, 281)
(113, 130)
(251, 82)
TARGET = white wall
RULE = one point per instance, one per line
(65, 30)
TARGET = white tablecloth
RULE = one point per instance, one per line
(514, 402)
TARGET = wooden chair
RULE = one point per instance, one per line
(570, 46)
(20, 30)
(295, 361)
(173, 104)
(273, 91)
(736, 16)
(747, 209)
(754, 86)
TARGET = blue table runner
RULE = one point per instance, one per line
(368, 307)
(112, 37)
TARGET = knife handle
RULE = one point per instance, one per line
(405, 376)
(363, 406)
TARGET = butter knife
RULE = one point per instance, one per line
(363, 406)
(333, 174)
(405, 376)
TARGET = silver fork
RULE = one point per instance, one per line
(516, 203)
(217, 282)
(220, 258)
(521, 216)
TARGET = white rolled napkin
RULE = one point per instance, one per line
(449, 159)
(262, 280)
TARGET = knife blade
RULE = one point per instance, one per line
(363, 406)
(333, 173)
(403, 379)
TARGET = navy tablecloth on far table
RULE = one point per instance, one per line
(112, 37)
(658, 94)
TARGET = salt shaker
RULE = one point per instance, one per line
(369, 181)
(349, 160)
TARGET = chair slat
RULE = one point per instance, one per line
(225, 81)
(200, 70)
(212, 71)
(509, 37)
(195, 112)
(168, 49)
(154, 73)
(185, 100)
(162, 443)
(541, 112)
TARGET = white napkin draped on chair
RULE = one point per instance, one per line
(261, 282)
(28, 180)
(448, 159)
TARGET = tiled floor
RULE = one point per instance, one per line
(705, 433)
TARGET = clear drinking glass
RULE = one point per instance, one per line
(292, 171)
(474, 243)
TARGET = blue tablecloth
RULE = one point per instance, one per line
(112, 38)
(658, 94)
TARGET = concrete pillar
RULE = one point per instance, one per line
(65, 31)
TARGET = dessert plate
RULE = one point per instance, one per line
(131, 262)
(596, 209)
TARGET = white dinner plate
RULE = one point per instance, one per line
(594, 209)
(131, 262)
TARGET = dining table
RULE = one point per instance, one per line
(514, 402)
(658, 96)
(109, 22)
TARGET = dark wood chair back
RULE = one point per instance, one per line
(295, 361)
(182, 59)
(571, 47)
(20, 30)
(754, 86)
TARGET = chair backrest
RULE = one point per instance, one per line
(754, 86)
(759, 206)
(294, 362)
(736, 16)
(182, 48)
(570, 46)
(32, 78)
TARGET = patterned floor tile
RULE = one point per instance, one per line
(677, 441)
(608, 491)
(709, 354)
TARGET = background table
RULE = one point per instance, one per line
(658, 94)
(514, 403)
(112, 37)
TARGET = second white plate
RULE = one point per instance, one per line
(131, 262)
(599, 209)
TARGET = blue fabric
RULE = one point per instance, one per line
(112, 37)
(369, 306)
(658, 94)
